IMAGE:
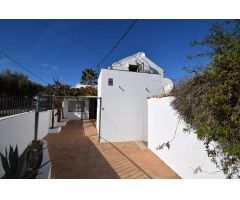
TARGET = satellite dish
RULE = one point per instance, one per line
(167, 86)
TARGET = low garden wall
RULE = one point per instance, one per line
(55, 119)
(19, 130)
(186, 153)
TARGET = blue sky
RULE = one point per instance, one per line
(50, 55)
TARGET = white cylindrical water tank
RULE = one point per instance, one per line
(167, 85)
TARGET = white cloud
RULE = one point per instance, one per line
(48, 66)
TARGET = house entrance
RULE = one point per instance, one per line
(80, 107)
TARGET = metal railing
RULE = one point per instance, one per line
(45, 102)
(16, 105)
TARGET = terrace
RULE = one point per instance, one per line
(76, 153)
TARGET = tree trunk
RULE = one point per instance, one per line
(59, 114)
(62, 113)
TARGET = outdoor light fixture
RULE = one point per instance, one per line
(121, 88)
(147, 90)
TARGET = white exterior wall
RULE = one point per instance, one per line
(75, 115)
(19, 130)
(124, 110)
(186, 152)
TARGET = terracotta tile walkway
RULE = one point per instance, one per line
(76, 153)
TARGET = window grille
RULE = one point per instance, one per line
(76, 106)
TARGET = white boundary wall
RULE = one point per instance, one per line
(19, 130)
(186, 152)
(55, 119)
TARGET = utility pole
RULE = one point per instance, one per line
(53, 98)
(37, 108)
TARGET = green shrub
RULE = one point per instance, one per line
(209, 101)
(24, 166)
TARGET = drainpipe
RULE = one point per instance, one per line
(99, 128)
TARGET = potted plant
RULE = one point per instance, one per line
(26, 165)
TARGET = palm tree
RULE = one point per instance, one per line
(89, 77)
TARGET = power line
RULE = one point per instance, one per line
(108, 54)
(69, 37)
(21, 65)
(25, 68)
(87, 46)
(117, 43)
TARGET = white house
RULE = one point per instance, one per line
(79, 85)
(124, 88)
(75, 108)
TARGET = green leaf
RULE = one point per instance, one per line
(12, 161)
(5, 163)
(16, 155)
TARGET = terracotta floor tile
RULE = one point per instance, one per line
(76, 153)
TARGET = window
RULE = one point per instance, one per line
(133, 68)
(76, 106)
(110, 82)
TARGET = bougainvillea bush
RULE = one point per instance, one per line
(61, 90)
(209, 100)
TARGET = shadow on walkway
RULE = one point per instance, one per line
(76, 153)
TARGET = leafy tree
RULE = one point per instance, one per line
(84, 91)
(58, 90)
(17, 84)
(89, 77)
(209, 100)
